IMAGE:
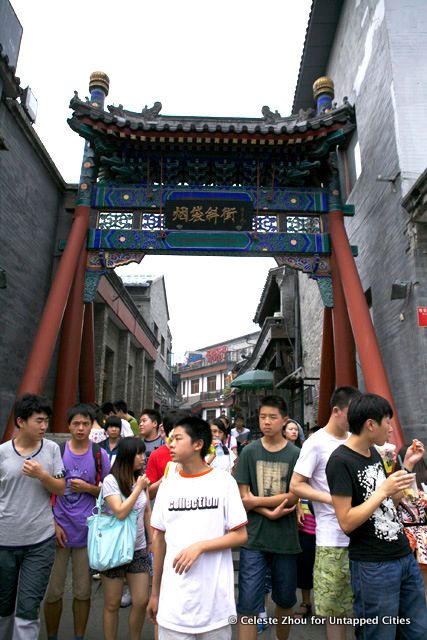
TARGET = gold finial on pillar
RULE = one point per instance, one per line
(323, 93)
(99, 80)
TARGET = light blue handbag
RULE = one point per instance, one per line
(110, 541)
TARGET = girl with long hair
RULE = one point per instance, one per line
(125, 489)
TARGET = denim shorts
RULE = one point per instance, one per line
(252, 575)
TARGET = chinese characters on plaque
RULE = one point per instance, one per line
(218, 215)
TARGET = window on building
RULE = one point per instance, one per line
(162, 347)
(107, 387)
(155, 330)
(210, 414)
(183, 386)
(195, 386)
(211, 383)
(130, 385)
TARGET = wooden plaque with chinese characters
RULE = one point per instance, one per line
(207, 214)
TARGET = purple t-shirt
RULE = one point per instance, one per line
(72, 509)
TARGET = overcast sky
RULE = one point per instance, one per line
(224, 58)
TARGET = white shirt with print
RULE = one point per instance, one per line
(190, 509)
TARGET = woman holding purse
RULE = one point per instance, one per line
(125, 489)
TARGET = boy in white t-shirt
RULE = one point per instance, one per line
(198, 517)
(331, 577)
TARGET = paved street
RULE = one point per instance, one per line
(94, 632)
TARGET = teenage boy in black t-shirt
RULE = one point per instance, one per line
(387, 584)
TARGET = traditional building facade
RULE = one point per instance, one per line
(125, 347)
(375, 51)
(204, 380)
(278, 348)
(149, 294)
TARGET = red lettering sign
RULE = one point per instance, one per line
(422, 316)
(216, 355)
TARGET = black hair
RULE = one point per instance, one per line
(170, 420)
(197, 429)
(80, 409)
(107, 407)
(420, 468)
(120, 405)
(29, 404)
(113, 421)
(217, 422)
(99, 416)
(342, 396)
(368, 406)
(153, 415)
(122, 468)
(277, 402)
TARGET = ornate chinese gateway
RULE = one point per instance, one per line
(267, 186)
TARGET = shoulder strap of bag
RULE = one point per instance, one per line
(96, 452)
(62, 450)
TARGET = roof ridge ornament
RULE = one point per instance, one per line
(269, 116)
(306, 114)
(153, 112)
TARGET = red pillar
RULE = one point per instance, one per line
(87, 357)
(374, 373)
(69, 350)
(345, 353)
(327, 369)
(44, 343)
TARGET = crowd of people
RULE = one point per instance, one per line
(317, 512)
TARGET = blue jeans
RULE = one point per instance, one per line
(393, 592)
(253, 570)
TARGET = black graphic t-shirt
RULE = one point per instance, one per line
(268, 474)
(381, 537)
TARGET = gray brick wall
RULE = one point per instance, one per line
(31, 202)
(366, 62)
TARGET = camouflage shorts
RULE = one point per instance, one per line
(331, 580)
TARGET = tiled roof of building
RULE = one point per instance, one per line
(126, 123)
(266, 292)
(320, 33)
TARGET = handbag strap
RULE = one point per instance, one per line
(99, 501)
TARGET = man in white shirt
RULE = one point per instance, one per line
(197, 518)
(332, 589)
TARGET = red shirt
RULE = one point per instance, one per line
(157, 462)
